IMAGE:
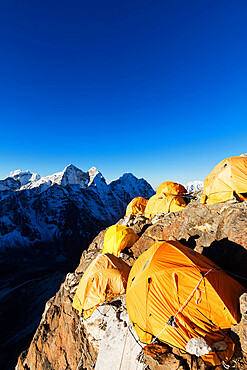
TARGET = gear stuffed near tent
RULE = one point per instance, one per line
(164, 203)
(117, 238)
(171, 187)
(228, 179)
(104, 279)
(176, 295)
(136, 206)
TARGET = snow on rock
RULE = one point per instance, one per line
(194, 186)
(24, 176)
(110, 331)
(9, 184)
(69, 176)
(95, 177)
(65, 209)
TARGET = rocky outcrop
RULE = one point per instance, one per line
(217, 231)
(63, 340)
(241, 328)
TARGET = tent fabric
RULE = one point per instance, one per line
(227, 179)
(104, 279)
(176, 294)
(164, 203)
(136, 206)
(171, 187)
(117, 238)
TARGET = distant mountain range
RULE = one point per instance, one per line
(57, 216)
(194, 186)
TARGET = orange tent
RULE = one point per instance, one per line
(164, 203)
(136, 206)
(104, 279)
(117, 238)
(176, 294)
(171, 187)
(229, 177)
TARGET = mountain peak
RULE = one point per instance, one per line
(71, 167)
(95, 177)
(72, 175)
(24, 176)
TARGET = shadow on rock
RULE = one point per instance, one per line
(230, 256)
(191, 242)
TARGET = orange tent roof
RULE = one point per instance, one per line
(171, 187)
(169, 281)
(227, 178)
(164, 203)
(117, 238)
(136, 206)
(104, 279)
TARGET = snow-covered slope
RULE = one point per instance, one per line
(24, 176)
(194, 186)
(71, 175)
(65, 209)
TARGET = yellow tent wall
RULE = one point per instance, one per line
(170, 279)
(171, 187)
(164, 203)
(136, 206)
(105, 278)
(227, 178)
(117, 238)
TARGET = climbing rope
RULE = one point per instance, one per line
(126, 335)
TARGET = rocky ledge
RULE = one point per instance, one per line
(64, 340)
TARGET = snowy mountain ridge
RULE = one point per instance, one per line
(71, 175)
(194, 186)
(65, 209)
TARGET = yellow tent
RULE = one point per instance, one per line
(229, 177)
(117, 238)
(105, 278)
(171, 187)
(136, 206)
(176, 294)
(164, 203)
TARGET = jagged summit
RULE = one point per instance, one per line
(43, 203)
(24, 176)
(70, 175)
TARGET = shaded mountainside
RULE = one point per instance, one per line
(57, 216)
(45, 224)
(64, 340)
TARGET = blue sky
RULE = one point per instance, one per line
(156, 88)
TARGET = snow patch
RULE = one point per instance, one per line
(112, 334)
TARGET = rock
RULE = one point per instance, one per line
(166, 361)
(64, 340)
(198, 347)
(217, 231)
(241, 328)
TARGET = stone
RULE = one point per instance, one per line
(63, 340)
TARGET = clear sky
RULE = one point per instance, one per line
(156, 88)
